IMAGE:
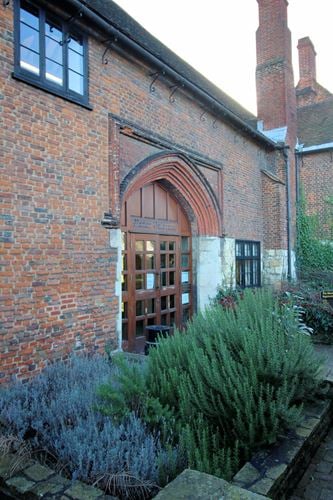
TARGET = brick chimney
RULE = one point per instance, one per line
(307, 63)
(276, 97)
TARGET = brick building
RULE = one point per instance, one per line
(131, 186)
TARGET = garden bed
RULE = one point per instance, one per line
(206, 399)
(270, 473)
(274, 472)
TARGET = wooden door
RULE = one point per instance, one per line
(157, 274)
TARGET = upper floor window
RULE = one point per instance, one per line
(247, 263)
(49, 53)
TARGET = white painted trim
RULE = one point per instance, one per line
(318, 147)
(115, 243)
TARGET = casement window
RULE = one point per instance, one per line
(49, 53)
(247, 264)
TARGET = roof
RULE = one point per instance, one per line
(117, 17)
(315, 123)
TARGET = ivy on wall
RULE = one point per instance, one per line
(314, 249)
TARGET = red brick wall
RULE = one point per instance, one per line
(57, 282)
(316, 178)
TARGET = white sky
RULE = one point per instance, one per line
(217, 37)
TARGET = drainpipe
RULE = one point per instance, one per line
(286, 151)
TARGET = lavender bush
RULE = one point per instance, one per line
(58, 412)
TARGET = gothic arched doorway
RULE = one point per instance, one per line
(157, 263)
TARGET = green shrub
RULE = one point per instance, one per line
(234, 379)
(127, 394)
(316, 313)
(314, 251)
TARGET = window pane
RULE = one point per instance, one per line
(29, 15)
(255, 249)
(125, 262)
(138, 262)
(186, 315)
(75, 82)
(139, 281)
(53, 72)
(29, 60)
(255, 273)
(164, 279)
(139, 246)
(163, 261)
(76, 44)
(124, 310)
(140, 328)
(185, 260)
(53, 50)
(247, 265)
(123, 241)
(185, 244)
(150, 261)
(164, 319)
(125, 331)
(247, 249)
(171, 278)
(124, 282)
(172, 301)
(150, 306)
(185, 298)
(238, 249)
(163, 246)
(53, 32)
(172, 260)
(140, 310)
(239, 273)
(75, 61)
(29, 38)
(172, 245)
(150, 245)
(164, 303)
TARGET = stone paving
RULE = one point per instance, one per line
(326, 351)
(317, 481)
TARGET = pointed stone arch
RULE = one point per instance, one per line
(179, 172)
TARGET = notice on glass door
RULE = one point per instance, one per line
(185, 298)
(185, 276)
(150, 281)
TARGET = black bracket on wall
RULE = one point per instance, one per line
(109, 221)
(202, 116)
(70, 21)
(174, 89)
(5, 3)
(109, 43)
(155, 76)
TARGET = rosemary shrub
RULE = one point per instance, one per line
(234, 380)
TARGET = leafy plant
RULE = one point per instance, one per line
(314, 251)
(127, 393)
(242, 372)
(316, 313)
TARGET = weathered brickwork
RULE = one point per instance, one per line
(316, 177)
(65, 166)
(62, 166)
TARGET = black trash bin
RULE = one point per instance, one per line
(152, 332)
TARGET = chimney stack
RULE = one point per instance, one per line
(307, 63)
(276, 96)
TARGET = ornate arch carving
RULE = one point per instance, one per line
(187, 179)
